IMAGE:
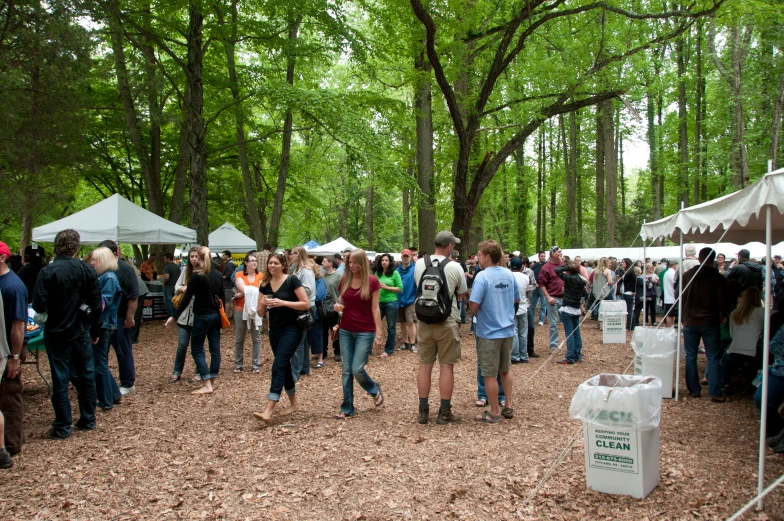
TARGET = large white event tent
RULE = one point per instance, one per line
(755, 213)
(730, 250)
(339, 245)
(227, 237)
(117, 219)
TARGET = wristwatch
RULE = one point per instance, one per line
(379, 337)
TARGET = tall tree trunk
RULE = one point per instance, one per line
(194, 104)
(698, 119)
(660, 150)
(775, 132)
(578, 176)
(370, 205)
(619, 149)
(610, 171)
(177, 208)
(601, 223)
(571, 178)
(551, 182)
(288, 126)
(256, 230)
(653, 161)
(407, 205)
(539, 189)
(522, 207)
(423, 114)
(153, 89)
(683, 134)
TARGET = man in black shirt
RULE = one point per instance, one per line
(68, 290)
(171, 272)
(121, 338)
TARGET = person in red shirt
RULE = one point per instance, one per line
(553, 289)
(360, 330)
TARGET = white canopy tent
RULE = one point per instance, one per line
(339, 245)
(227, 237)
(657, 253)
(117, 219)
(753, 213)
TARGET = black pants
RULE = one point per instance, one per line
(650, 310)
(636, 313)
(326, 330)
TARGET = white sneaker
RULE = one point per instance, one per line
(541, 323)
(125, 391)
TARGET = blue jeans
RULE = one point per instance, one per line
(106, 389)
(168, 293)
(775, 397)
(123, 350)
(537, 296)
(71, 361)
(574, 342)
(206, 326)
(552, 318)
(520, 341)
(481, 394)
(354, 352)
(711, 337)
(183, 339)
(284, 342)
(389, 310)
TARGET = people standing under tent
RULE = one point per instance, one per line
(341, 264)
(227, 272)
(690, 260)
(14, 295)
(405, 302)
(520, 340)
(745, 323)
(440, 340)
(122, 338)
(552, 288)
(747, 272)
(538, 296)
(246, 298)
(670, 283)
(603, 285)
(360, 330)
(184, 327)
(106, 388)
(205, 285)
(494, 301)
(285, 298)
(171, 272)
(332, 281)
(64, 290)
(391, 286)
(651, 284)
(703, 303)
(148, 270)
(574, 285)
(721, 264)
(303, 268)
(33, 263)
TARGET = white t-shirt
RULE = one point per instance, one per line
(455, 279)
(668, 286)
(522, 286)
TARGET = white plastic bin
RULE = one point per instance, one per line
(620, 415)
(654, 350)
(612, 321)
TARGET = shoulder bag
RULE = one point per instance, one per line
(224, 320)
(305, 319)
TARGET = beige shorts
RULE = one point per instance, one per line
(439, 341)
(406, 314)
(495, 354)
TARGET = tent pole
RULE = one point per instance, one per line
(765, 359)
(680, 308)
(645, 284)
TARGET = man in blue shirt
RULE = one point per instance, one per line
(494, 299)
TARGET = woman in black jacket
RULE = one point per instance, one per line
(204, 286)
(574, 290)
(629, 288)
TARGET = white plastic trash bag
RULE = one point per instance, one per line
(653, 342)
(618, 401)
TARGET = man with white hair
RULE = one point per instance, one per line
(690, 261)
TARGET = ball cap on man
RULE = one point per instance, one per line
(744, 253)
(446, 238)
(4, 250)
(405, 253)
(554, 249)
(516, 264)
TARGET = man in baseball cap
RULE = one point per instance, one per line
(445, 238)
(748, 274)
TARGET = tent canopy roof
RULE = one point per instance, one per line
(117, 219)
(227, 237)
(740, 213)
(336, 246)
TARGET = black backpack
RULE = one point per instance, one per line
(433, 304)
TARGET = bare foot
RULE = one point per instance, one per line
(290, 410)
(203, 390)
(266, 418)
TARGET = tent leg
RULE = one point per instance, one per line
(765, 359)
(680, 307)
(645, 284)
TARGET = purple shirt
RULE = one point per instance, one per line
(550, 281)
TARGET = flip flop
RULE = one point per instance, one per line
(341, 416)
(507, 412)
(378, 400)
(487, 417)
(481, 403)
(201, 392)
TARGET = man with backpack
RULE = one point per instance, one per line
(440, 284)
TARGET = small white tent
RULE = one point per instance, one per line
(227, 237)
(339, 245)
(119, 220)
(755, 213)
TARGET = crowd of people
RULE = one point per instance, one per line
(91, 305)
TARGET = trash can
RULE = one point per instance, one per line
(612, 320)
(620, 415)
(654, 350)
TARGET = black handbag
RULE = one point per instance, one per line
(306, 320)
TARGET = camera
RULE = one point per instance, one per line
(85, 310)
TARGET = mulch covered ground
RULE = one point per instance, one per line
(164, 454)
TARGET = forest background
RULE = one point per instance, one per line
(383, 121)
